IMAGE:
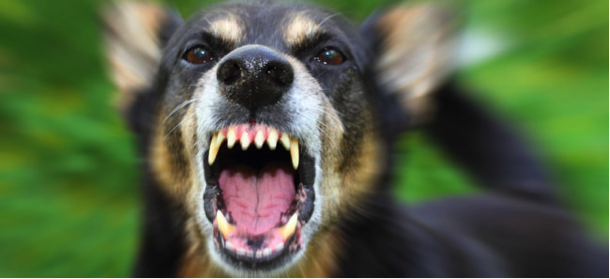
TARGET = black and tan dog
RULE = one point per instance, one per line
(267, 130)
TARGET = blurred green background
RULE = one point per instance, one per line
(69, 201)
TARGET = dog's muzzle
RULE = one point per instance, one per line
(259, 169)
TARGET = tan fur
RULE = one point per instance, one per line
(133, 48)
(343, 185)
(300, 28)
(416, 55)
(175, 181)
(134, 51)
(228, 28)
(162, 165)
(342, 191)
(196, 262)
(320, 260)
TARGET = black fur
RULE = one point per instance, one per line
(162, 245)
(491, 150)
(515, 228)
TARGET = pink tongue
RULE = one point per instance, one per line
(256, 201)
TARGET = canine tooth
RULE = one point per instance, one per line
(288, 230)
(231, 137)
(220, 138)
(279, 247)
(213, 150)
(294, 153)
(244, 141)
(259, 140)
(223, 226)
(229, 246)
(285, 140)
(266, 252)
(272, 139)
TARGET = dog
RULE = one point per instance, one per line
(267, 133)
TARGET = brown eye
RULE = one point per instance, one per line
(198, 55)
(329, 56)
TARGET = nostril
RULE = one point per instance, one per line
(254, 77)
(280, 73)
(229, 72)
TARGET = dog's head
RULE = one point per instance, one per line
(261, 120)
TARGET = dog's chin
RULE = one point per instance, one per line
(259, 198)
(271, 269)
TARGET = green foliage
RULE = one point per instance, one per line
(68, 170)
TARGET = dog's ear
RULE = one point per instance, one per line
(135, 34)
(412, 46)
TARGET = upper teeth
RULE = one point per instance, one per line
(259, 139)
(285, 140)
(245, 141)
(294, 153)
(259, 135)
(272, 139)
(231, 138)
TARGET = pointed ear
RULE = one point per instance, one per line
(135, 34)
(413, 47)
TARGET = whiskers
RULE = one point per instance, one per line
(180, 123)
(328, 18)
(321, 126)
(182, 105)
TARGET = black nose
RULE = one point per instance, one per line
(254, 76)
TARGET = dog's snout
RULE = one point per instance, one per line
(254, 76)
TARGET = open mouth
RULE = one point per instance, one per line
(259, 195)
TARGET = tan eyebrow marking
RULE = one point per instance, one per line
(228, 28)
(300, 29)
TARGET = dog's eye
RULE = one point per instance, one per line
(198, 55)
(329, 56)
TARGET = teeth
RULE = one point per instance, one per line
(279, 247)
(244, 141)
(250, 254)
(259, 254)
(259, 140)
(220, 139)
(288, 142)
(214, 146)
(223, 226)
(285, 140)
(272, 139)
(229, 246)
(288, 230)
(231, 138)
(266, 252)
(241, 251)
(294, 153)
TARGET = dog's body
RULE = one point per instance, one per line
(336, 98)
